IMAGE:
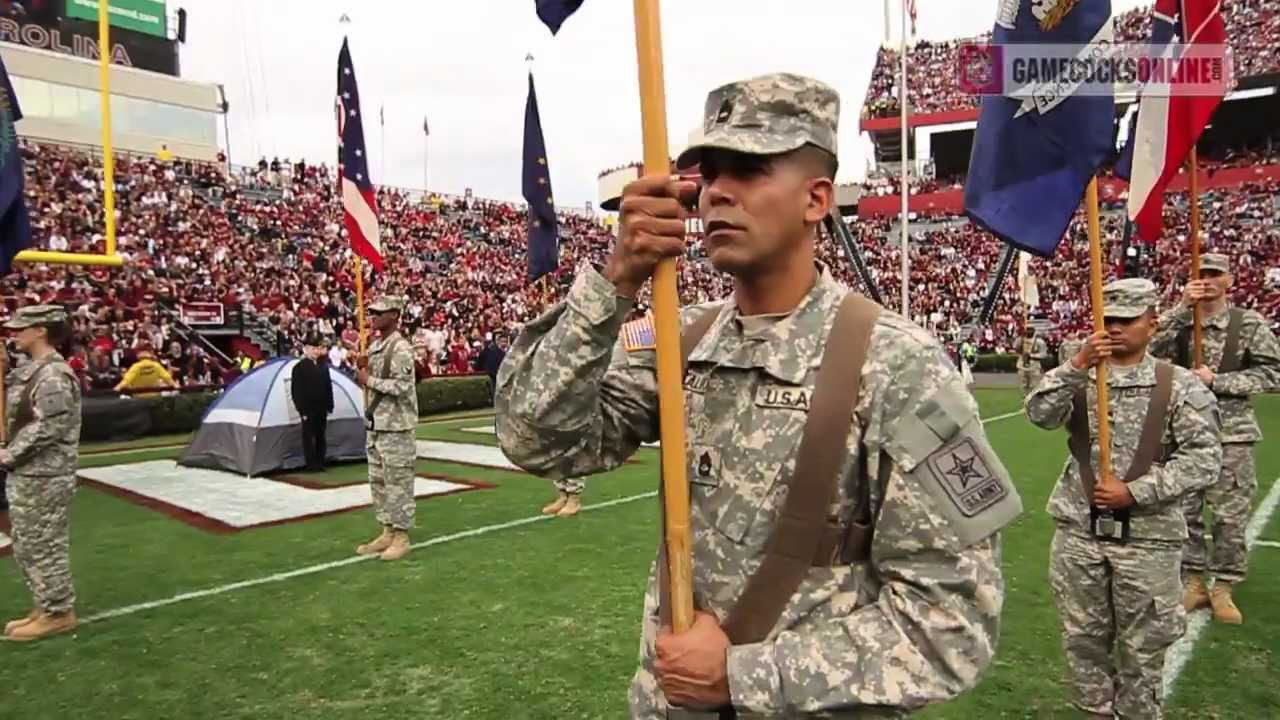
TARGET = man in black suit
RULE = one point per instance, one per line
(312, 393)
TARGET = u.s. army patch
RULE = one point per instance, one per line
(639, 335)
(965, 478)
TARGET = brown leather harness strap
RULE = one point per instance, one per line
(1150, 446)
(797, 534)
(802, 534)
(1231, 355)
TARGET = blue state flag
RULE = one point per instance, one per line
(1033, 159)
(15, 222)
(544, 232)
(553, 13)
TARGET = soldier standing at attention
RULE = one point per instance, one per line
(1034, 351)
(1114, 559)
(804, 400)
(1241, 358)
(391, 418)
(41, 457)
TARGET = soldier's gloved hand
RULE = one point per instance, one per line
(692, 667)
(1096, 348)
(651, 228)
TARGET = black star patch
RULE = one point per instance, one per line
(965, 477)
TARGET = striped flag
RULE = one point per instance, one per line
(359, 204)
(1169, 122)
(1028, 286)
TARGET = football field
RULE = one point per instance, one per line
(245, 600)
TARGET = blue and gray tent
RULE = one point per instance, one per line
(253, 428)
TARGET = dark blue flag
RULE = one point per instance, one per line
(553, 13)
(1032, 160)
(544, 233)
(15, 223)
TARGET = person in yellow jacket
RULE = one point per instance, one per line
(145, 374)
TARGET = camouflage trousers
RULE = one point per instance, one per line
(1119, 608)
(1229, 497)
(1029, 378)
(571, 486)
(391, 459)
(40, 512)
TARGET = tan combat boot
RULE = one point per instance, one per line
(399, 546)
(555, 507)
(571, 507)
(43, 626)
(376, 545)
(12, 624)
(1224, 608)
(1196, 595)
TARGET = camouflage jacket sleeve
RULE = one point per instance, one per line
(1197, 455)
(570, 401)
(1049, 404)
(53, 411)
(1263, 372)
(1039, 349)
(401, 381)
(1164, 344)
(933, 626)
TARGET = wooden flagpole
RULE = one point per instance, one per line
(657, 161)
(1095, 294)
(1197, 310)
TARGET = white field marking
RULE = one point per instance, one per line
(5, 541)
(1178, 655)
(312, 569)
(1267, 544)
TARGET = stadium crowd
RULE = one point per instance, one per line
(264, 242)
(1253, 27)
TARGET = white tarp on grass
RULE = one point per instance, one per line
(239, 501)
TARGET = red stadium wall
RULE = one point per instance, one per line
(895, 122)
(952, 202)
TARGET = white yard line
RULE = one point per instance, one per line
(1178, 655)
(312, 569)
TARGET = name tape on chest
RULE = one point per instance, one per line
(639, 335)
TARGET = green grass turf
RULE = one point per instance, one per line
(535, 621)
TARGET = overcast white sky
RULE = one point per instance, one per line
(462, 64)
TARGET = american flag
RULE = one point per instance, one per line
(359, 205)
(639, 334)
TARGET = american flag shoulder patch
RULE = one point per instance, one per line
(639, 335)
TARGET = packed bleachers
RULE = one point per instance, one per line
(1253, 27)
(267, 240)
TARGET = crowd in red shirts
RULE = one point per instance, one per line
(1253, 27)
(268, 241)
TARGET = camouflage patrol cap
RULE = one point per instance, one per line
(1128, 298)
(766, 115)
(1215, 261)
(387, 303)
(33, 315)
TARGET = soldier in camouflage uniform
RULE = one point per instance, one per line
(574, 399)
(1121, 599)
(391, 418)
(43, 450)
(1256, 370)
(1030, 356)
(1070, 346)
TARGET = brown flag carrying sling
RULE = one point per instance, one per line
(1150, 448)
(801, 538)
